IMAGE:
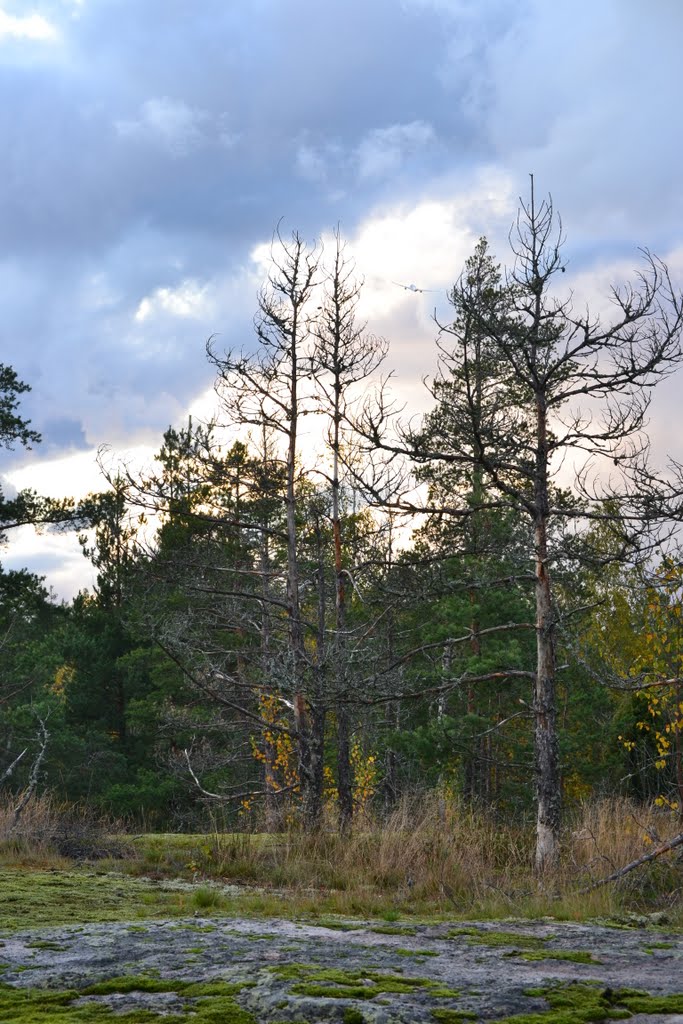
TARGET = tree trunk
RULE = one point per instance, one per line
(344, 769)
(546, 748)
(306, 740)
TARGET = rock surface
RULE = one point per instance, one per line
(483, 970)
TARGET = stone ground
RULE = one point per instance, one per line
(476, 969)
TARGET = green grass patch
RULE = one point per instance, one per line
(206, 898)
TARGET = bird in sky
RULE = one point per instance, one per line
(411, 287)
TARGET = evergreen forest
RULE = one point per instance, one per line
(317, 605)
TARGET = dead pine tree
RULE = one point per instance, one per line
(563, 387)
(271, 390)
(344, 356)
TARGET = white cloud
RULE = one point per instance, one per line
(28, 26)
(427, 242)
(76, 474)
(189, 299)
(56, 556)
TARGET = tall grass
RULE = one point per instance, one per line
(53, 833)
(437, 855)
(432, 855)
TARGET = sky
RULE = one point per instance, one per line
(149, 148)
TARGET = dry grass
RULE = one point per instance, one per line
(432, 857)
(437, 856)
(53, 834)
(609, 833)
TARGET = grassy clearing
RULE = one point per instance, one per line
(432, 859)
(438, 858)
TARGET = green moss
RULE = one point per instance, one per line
(396, 929)
(659, 945)
(414, 952)
(582, 1003)
(574, 956)
(32, 899)
(479, 937)
(353, 1016)
(43, 944)
(36, 1006)
(218, 1011)
(126, 984)
(333, 983)
(654, 1004)
(192, 926)
(453, 1016)
(339, 926)
(212, 1003)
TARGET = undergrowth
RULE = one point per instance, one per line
(432, 857)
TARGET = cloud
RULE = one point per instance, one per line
(29, 26)
(380, 154)
(57, 557)
(427, 241)
(313, 164)
(63, 432)
(172, 123)
(147, 157)
(188, 299)
(382, 151)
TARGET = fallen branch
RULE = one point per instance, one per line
(225, 797)
(664, 848)
(8, 771)
(33, 777)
